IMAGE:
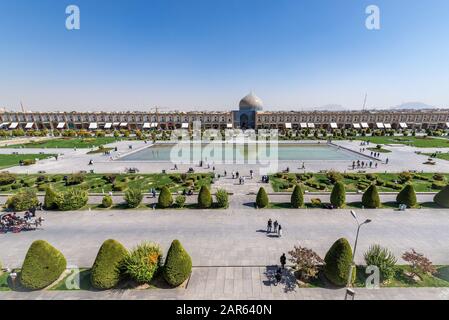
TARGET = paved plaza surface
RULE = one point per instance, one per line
(233, 256)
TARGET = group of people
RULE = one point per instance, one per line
(265, 179)
(274, 227)
(362, 164)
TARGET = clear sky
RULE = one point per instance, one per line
(207, 54)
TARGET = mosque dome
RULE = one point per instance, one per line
(251, 102)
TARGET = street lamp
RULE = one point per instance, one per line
(354, 215)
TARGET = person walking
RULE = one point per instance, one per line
(386, 161)
(279, 231)
(269, 224)
(278, 276)
(275, 225)
(283, 260)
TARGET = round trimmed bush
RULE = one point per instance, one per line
(72, 199)
(407, 196)
(180, 201)
(143, 262)
(222, 198)
(338, 262)
(106, 202)
(442, 197)
(338, 195)
(297, 198)
(165, 199)
(43, 265)
(204, 198)
(105, 273)
(370, 198)
(262, 198)
(178, 264)
(133, 197)
(22, 200)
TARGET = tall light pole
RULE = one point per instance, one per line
(348, 290)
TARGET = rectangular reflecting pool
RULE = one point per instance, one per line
(232, 152)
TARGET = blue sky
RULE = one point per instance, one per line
(207, 54)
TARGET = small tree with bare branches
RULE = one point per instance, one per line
(307, 262)
(419, 264)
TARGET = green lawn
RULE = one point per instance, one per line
(99, 183)
(443, 156)
(419, 142)
(11, 160)
(68, 143)
(381, 150)
(386, 182)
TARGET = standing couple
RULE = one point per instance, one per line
(274, 227)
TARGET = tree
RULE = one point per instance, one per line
(407, 196)
(370, 198)
(165, 199)
(178, 264)
(339, 262)
(383, 259)
(42, 266)
(262, 198)
(204, 198)
(105, 273)
(297, 198)
(419, 264)
(442, 197)
(307, 262)
(338, 195)
(133, 197)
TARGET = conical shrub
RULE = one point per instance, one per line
(370, 198)
(442, 197)
(338, 195)
(338, 262)
(297, 198)
(407, 196)
(165, 199)
(262, 198)
(204, 198)
(50, 199)
(178, 264)
(105, 273)
(42, 266)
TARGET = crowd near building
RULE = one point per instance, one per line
(250, 115)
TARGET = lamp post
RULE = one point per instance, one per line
(348, 290)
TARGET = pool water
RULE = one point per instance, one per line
(230, 153)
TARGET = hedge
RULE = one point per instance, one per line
(72, 199)
(43, 265)
(338, 195)
(370, 198)
(297, 198)
(178, 264)
(165, 199)
(407, 196)
(105, 273)
(204, 198)
(338, 262)
(262, 198)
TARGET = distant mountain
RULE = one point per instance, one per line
(413, 105)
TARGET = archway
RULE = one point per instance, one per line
(244, 121)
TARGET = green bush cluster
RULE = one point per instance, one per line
(262, 198)
(370, 198)
(106, 270)
(106, 202)
(407, 196)
(297, 198)
(133, 197)
(143, 262)
(442, 197)
(338, 195)
(72, 199)
(6, 178)
(204, 198)
(180, 201)
(165, 199)
(22, 200)
(42, 266)
(383, 259)
(222, 198)
(178, 264)
(339, 262)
